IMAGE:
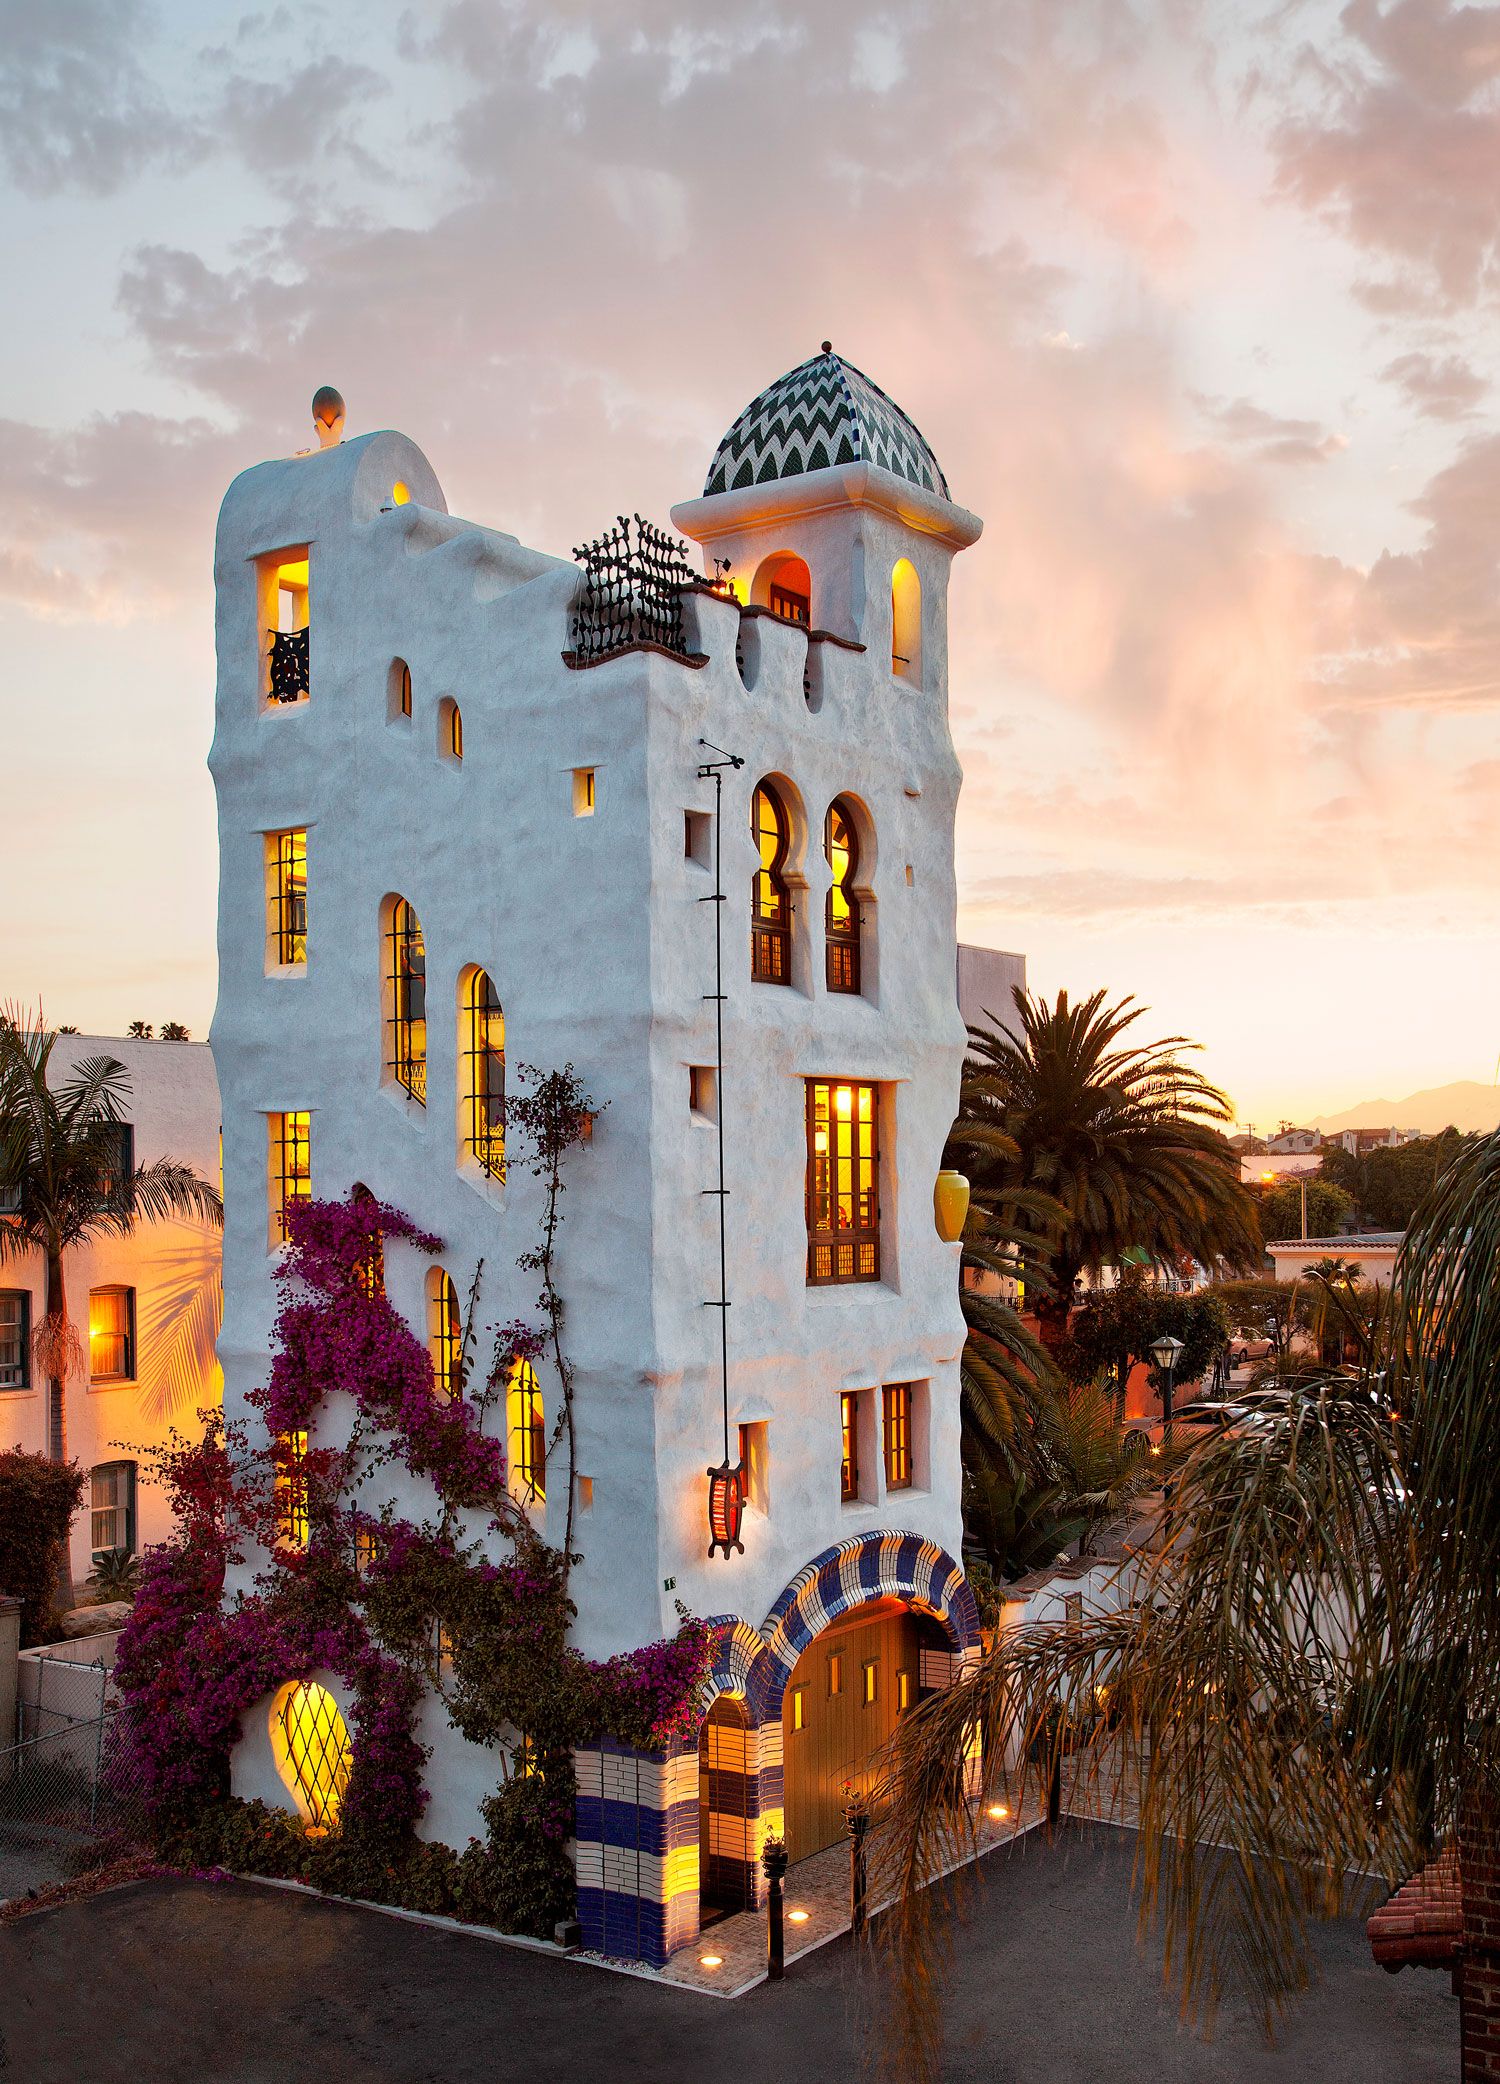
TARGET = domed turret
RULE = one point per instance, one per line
(822, 413)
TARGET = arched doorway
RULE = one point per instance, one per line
(843, 1699)
(726, 1851)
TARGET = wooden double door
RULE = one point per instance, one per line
(845, 1695)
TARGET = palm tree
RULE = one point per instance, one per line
(62, 1184)
(1306, 1679)
(1121, 1134)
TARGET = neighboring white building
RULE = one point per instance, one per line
(1295, 1142)
(149, 1303)
(988, 979)
(1374, 1252)
(431, 767)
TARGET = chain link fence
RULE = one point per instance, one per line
(70, 1787)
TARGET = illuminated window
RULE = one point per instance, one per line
(286, 898)
(482, 1066)
(291, 1167)
(835, 1674)
(406, 999)
(315, 1744)
(843, 1182)
(770, 900)
(282, 579)
(366, 1549)
(784, 585)
(111, 1334)
(291, 1489)
(849, 1465)
(906, 622)
(903, 1692)
(445, 1333)
(755, 1460)
(841, 912)
(896, 1400)
(400, 493)
(799, 1707)
(703, 1092)
(15, 1339)
(871, 1676)
(584, 792)
(450, 729)
(112, 1508)
(527, 1428)
(369, 1268)
(398, 689)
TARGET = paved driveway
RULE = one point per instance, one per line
(187, 1982)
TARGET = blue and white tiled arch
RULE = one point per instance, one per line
(638, 1814)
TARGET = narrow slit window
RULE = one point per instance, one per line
(871, 1676)
(835, 1674)
(482, 1052)
(897, 1414)
(291, 1489)
(291, 1167)
(284, 591)
(849, 1427)
(584, 794)
(843, 1182)
(842, 915)
(286, 873)
(799, 1707)
(527, 1427)
(771, 900)
(406, 986)
(445, 1333)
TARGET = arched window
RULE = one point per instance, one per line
(450, 730)
(406, 988)
(842, 912)
(906, 622)
(527, 1428)
(398, 689)
(445, 1333)
(784, 585)
(771, 901)
(481, 1050)
(369, 1271)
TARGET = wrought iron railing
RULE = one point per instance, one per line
(288, 665)
(634, 577)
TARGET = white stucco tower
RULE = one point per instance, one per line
(521, 764)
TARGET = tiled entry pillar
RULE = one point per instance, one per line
(637, 1849)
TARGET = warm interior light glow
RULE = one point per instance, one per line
(843, 1100)
(312, 1745)
(399, 494)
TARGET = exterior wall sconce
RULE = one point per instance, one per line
(726, 1507)
(950, 1205)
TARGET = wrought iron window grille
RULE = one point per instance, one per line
(288, 665)
(634, 578)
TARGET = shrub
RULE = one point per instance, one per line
(38, 1498)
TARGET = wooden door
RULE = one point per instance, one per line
(841, 1704)
(726, 1869)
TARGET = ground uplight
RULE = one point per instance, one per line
(997, 1810)
(799, 1917)
(710, 1960)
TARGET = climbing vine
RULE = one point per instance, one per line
(401, 1609)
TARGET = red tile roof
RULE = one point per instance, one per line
(1422, 1926)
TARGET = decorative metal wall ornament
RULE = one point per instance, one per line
(726, 1508)
(635, 575)
(288, 665)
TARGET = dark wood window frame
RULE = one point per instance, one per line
(843, 1181)
(896, 1416)
(406, 983)
(843, 914)
(15, 1339)
(484, 1074)
(291, 1162)
(849, 1442)
(120, 1360)
(770, 894)
(125, 1474)
(288, 896)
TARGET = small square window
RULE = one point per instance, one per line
(698, 837)
(703, 1092)
(111, 1336)
(585, 1493)
(583, 792)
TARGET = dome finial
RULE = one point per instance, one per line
(828, 347)
(328, 416)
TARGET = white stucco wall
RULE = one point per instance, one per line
(173, 1266)
(595, 933)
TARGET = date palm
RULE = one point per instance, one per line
(1121, 1134)
(62, 1184)
(1305, 1679)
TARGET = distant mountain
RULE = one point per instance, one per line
(1465, 1103)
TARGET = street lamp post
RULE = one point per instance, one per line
(1166, 1351)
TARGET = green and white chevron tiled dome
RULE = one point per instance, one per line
(823, 412)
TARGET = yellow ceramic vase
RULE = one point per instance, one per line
(950, 1205)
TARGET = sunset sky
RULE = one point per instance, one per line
(1195, 303)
